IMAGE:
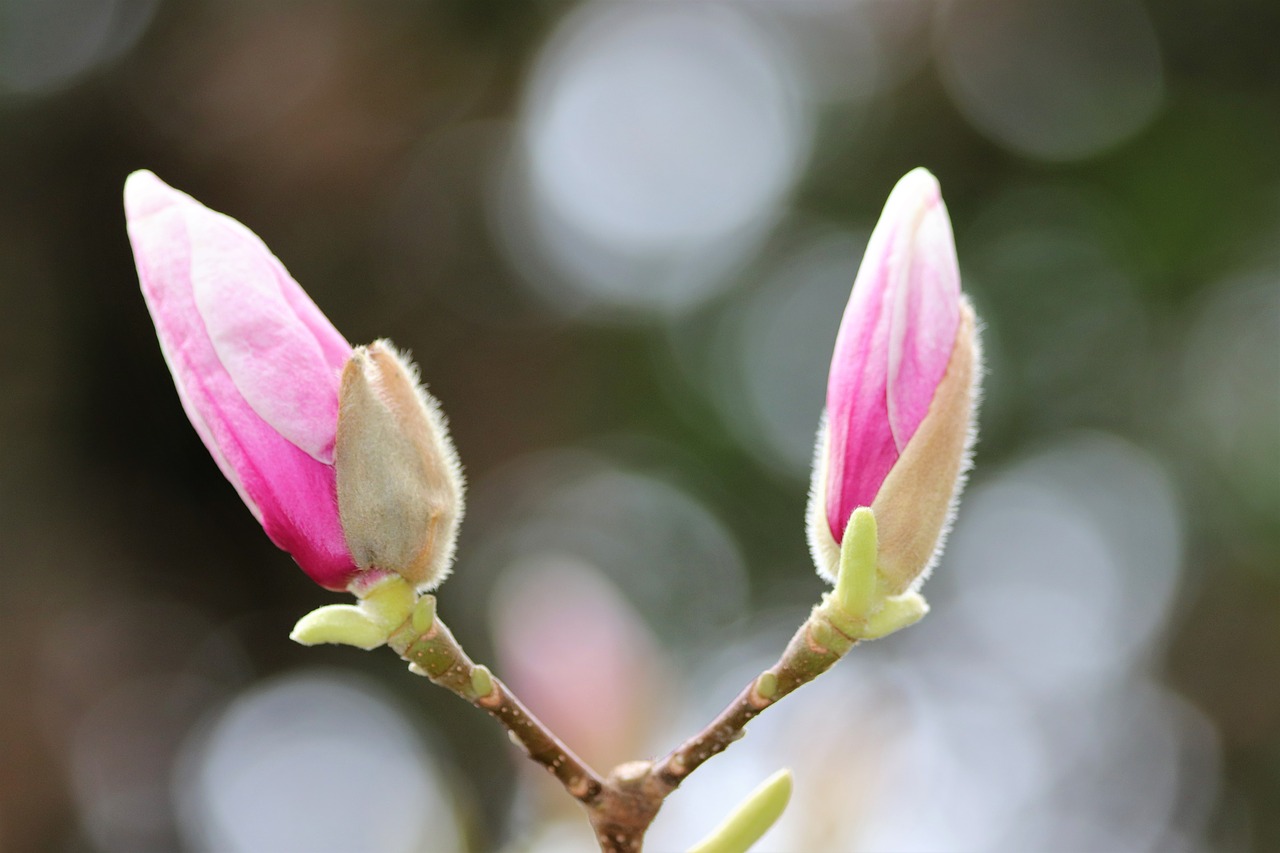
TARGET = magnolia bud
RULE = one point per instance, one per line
(399, 482)
(256, 366)
(901, 395)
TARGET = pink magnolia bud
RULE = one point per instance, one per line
(256, 364)
(901, 394)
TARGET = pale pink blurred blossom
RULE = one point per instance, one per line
(580, 656)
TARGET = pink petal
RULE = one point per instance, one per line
(272, 356)
(894, 342)
(926, 314)
(290, 492)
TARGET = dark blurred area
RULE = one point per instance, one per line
(617, 237)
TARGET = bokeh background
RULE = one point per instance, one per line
(618, 238)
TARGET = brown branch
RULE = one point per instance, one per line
(435, 653)
(621, 807)
(814, 648)
(631, 799)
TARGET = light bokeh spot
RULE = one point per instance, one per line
(658, 140)
(313, 761)
(48, 44)
(1050, 80)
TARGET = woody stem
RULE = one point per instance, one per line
(435, 653)
(622, 806)
(814, 649)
